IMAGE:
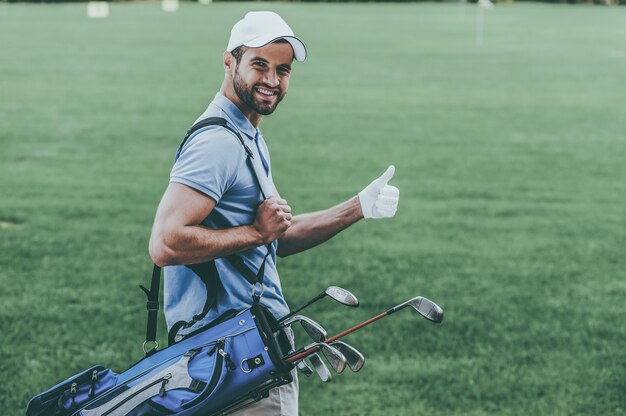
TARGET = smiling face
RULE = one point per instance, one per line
(259, 79)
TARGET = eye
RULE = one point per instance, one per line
(259, 64)
(283, 70)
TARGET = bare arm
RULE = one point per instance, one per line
(178, 238)
(377, 200)
(309, 230)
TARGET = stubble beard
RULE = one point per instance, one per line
(245, 93)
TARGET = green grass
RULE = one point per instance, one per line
(510, 157)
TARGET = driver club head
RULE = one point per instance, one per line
(342, 296)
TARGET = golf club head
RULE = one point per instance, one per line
(427, 308)
(342, 296)
(320, 368)
(304, 368)
(315, 330)
(335, 358)
(312, 328)
(354, 358)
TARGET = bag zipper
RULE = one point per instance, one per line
(63, 387)
(217, 372)
(94, 380)
(73, 393)
(218, 361)
(163, 380)
(229, 362)
(206, 344)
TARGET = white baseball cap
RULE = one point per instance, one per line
(258, 29)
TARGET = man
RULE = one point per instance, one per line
(213, 207)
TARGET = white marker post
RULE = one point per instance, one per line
(482, 5)
(169, 5)
(462, 6)
(97, 9)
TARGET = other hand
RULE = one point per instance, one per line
(273, 218)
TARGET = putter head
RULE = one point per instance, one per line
(312, 328)
(342, 296)
(425, 307)
(354, 358)
(320, 368)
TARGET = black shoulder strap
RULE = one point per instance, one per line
(206, 271)
(214, 121)
(235, 260)
(152, 305)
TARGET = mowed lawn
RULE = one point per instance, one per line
(510, 157)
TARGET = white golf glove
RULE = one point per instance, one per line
(379, 200)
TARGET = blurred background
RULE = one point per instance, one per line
(507, 126)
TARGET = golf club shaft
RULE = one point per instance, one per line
(426, 308)
(354, 328)
(295, 311)
(301, 354)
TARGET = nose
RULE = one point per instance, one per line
(271, 79)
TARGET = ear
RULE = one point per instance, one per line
(229, 61)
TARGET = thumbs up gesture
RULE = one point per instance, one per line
(379, 200)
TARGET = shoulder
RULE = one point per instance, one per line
(214, 140)
(210, 161)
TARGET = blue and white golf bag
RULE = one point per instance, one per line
(217, 370)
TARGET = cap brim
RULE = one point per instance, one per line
(299, 50)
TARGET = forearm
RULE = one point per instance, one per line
(309, 230)
(197, 244)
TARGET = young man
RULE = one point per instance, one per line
(213, 207)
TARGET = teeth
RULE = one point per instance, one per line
(265, 92)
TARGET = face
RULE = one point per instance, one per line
(261, 78)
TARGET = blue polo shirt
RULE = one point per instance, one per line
(213, 162)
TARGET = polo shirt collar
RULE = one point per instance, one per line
(235, 115)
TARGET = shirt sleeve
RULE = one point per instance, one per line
(209, 162)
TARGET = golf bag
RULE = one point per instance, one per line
(219, 369)
(226, 365)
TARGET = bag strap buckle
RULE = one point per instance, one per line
(150, 351)
(257, 292)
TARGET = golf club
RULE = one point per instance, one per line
(426, 308)
(337, 362)
(315, 330)
(317, 334)
(335, 292)
(336, 359)
(354, 358)
(304, 368)
(320, 368)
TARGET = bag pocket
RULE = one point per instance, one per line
(170, 389)
(209, 367)
(70, 394)
(245, 375)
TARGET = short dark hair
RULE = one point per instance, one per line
(240, 50)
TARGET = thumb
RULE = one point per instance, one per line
(385, 177)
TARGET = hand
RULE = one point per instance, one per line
(273, 218)
(379, 200)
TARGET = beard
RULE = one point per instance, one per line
(245, 93)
